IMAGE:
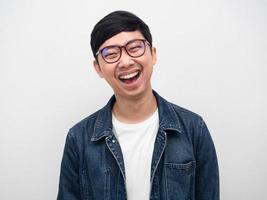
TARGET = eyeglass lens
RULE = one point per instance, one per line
(134, 49)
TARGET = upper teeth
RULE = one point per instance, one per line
(128, 75)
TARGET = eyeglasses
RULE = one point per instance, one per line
(134, 48)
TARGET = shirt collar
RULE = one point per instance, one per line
(168, 119)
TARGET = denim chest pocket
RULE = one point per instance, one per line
(180, 180)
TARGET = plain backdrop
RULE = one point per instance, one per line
(212, 58)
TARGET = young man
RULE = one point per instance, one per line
(139, 146)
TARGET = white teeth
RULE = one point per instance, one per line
(128, 76)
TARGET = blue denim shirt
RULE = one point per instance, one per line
(184, 163)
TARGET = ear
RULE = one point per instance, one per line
(98, 69)
(154, 55)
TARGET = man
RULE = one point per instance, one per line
(139, 146)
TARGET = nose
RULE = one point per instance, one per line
(125, 59)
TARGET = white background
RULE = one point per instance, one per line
(212, 58)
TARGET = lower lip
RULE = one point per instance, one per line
(131, 83)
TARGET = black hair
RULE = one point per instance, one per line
(114, 23)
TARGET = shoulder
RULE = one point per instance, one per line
(96, 125)
(188, 122)
(186, 116)
(79, 129)
(184, 112)
(173, 112)
(176, 117)
(192, 126)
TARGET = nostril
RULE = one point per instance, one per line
(126, 61)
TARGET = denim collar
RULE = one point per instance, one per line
(168, 119)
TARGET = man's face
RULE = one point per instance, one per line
(129, 77)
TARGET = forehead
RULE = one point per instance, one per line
(122, 38)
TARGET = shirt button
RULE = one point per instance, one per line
(113, 141)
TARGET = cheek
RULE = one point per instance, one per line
(109, 74)
(107, 69)
(148, 63)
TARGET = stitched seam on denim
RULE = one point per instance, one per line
(185, 166)
(73, 141)
(107, 184)
(84, 184)
(115, 156)
(166, 183)
(92, 188)
(161, 150)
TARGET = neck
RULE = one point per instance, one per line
(134, 110)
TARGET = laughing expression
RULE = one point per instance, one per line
(128, 77)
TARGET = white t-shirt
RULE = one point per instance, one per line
(137, 144)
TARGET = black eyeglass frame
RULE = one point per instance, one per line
(121, 47)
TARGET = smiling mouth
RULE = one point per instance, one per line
(129, 78)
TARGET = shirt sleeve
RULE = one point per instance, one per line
(207, 170)
(69, 187)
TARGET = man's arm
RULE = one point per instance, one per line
(69, 188)
(207, 171)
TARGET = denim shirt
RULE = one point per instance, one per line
(184, 162)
